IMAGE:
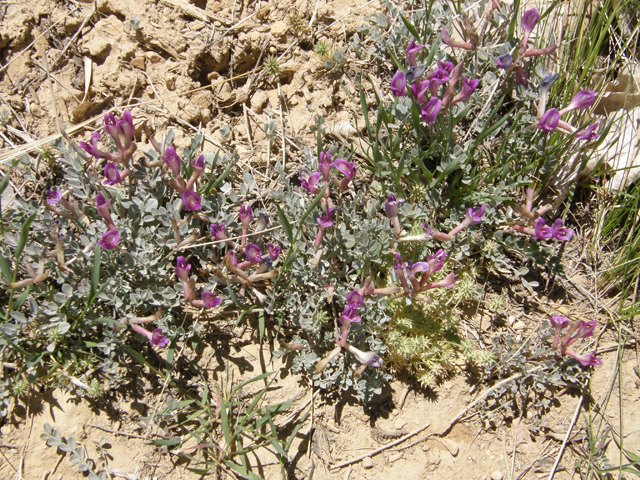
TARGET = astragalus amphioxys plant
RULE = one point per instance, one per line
(121, 241)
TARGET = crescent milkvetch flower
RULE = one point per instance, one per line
(399, 84)
(559, 323)
(412, 52)
(560, 232)
(155, 337)
(588, 133)
(529, 21)
(109, 240)
(182, 269)
(468, 87)
(430, 111)
(542, 232)
(112, 174)
(549, 121)
(579, 329)
(310, 183)
(347, 169)
(253, 253)
(324, 167)
(274, 251)
(209, 300)
(53, 197)
(191, 201)
(583, 100)
(172, 160)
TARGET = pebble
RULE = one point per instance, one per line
(497, 475)
(367, 462)
(399, 423)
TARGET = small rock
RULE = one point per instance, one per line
(367, 462)
(497, 475)
(399, 423)
(98, 47)
(139, 62)
(153, 57)
(451, 446)
(519, 325)
(279, 30)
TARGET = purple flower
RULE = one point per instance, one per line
(436, 261)
(325, 219)
(542, 232)
(560, 232)
(172, 160)
(155, 337)
(586, 360)
(578, 330)
(245, 216)
(209, 300)
(92, 147)
(419, 267)
(588, 133)
(398, 84)
(198, 164)
(158, 339)
(310, 183)
(324, 166)
(274, 252)
(347, 169)
(449, 281)
(468, 87)
(182, 269)
(103, 207)
(110, 240)
(53, 197)
(349, 315)
(430, 111)
(412, 52)
(354, 299)
(419, 90)
(559, 323)
(191, 201)
(505, 61)
(391, 207)
(122, 132)
(218, 231)
(583, 100)
(549, 120)
(112, 174)
(474, 215)
(447, 67)
(253, 253)
(529, 21)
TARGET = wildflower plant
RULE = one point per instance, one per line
(120, 248)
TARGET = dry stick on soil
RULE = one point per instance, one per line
(282, 131)
(53, 95)
(482, 396)
(284, 144)
(566, 437)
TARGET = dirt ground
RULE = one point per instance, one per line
(194, 65)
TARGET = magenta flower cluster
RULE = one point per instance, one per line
(426, 91)
(535, 226)
(321, 181)
(549, 120)
(579, 329)
(122, 133)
